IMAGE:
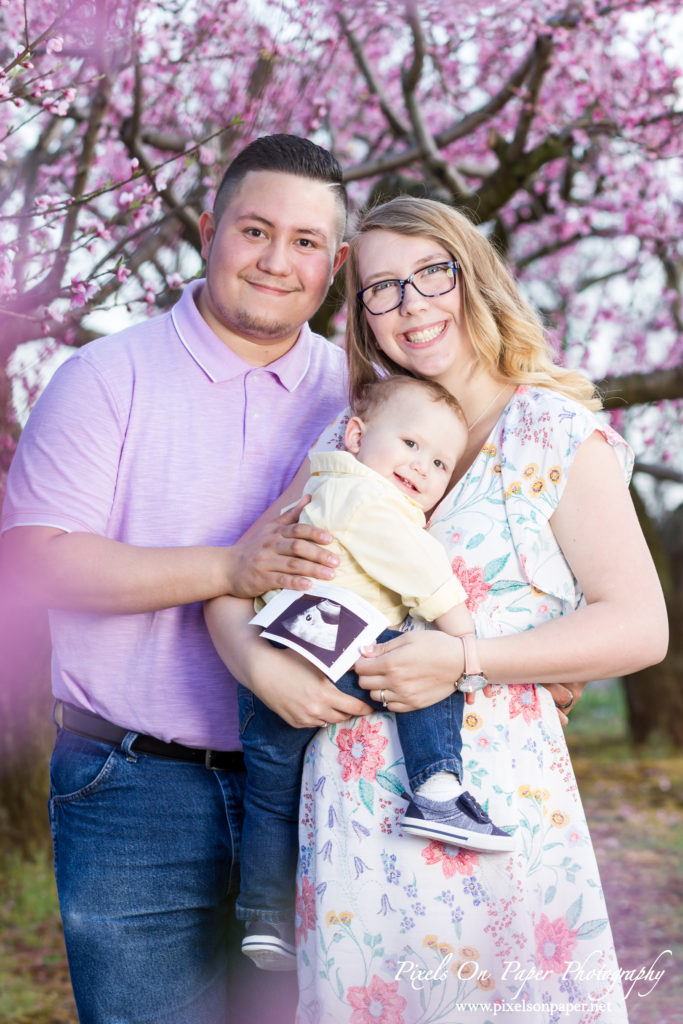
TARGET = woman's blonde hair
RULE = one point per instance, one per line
(507, 335)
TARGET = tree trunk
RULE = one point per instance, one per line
(654, 696)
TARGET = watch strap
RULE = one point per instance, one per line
(472, 660)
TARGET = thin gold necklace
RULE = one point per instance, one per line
(489, 406)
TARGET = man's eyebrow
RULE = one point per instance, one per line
(269, 224)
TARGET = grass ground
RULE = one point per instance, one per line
(634, 804)
(34, 980)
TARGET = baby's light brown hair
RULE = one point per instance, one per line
(375, 393)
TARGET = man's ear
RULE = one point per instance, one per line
(207, 229)
(339, 257)
(353, 435)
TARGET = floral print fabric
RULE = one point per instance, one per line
(392, 929)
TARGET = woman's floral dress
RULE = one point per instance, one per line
(395, 930)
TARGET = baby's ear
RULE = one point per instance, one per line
(353, 435)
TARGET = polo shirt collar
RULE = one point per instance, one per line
(218, 361)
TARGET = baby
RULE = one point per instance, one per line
(402, 444)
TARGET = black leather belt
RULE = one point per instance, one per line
(85, 723)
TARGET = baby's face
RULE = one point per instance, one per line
(415, 443)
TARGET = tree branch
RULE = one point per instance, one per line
(129, 135)
(397, 125)
(641, 388)
(557, 246)
(507, 179)
(541, 62)
(410, 78)
(587, 282)
(659, 472)
(462, 128)
(43, 292)
(158, 234)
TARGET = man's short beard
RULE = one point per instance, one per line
(251, 326)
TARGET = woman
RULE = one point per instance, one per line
(539, 524)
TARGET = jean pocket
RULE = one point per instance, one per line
(78, 766)
(245, 707)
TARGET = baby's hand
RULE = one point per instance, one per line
(487, 691)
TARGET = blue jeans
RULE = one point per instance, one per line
(274, 754)
(146, 854)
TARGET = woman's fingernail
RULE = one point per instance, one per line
(368, 649)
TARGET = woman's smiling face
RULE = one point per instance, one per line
(425, 336)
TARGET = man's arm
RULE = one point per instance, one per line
(87, 572)
(55, 551)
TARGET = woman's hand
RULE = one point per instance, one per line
(421, 668)
(412, 671)
(286, 682)
(278, 553)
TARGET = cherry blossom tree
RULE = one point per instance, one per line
(556, 124)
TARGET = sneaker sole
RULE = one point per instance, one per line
(479, 841)
(270, 954)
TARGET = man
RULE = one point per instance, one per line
(145, 461)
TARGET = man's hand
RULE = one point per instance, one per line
(564, 696)
(282, 553)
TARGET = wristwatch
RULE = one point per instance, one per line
(472, 677)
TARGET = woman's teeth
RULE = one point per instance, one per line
(422, 337)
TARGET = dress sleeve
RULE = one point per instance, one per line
(537, 446)
(332, 437)
(65, 469)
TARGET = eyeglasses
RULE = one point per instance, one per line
(436, 279)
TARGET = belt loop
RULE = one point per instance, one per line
(127, 746)
(208, 758)
(58, 713)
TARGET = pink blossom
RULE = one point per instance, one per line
(360, 751)
(305, 909)
(81, 290)
(473, 582)
(555, 943)
(617, 103)
(453, 859)
(376, 1003)
(524, 701)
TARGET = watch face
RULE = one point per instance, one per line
(468, 684)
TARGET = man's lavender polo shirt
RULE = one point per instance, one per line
(161, 436)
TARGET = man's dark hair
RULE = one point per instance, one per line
(286, 154)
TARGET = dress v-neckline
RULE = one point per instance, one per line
(459, 485)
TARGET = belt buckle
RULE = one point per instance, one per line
(208, 757)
